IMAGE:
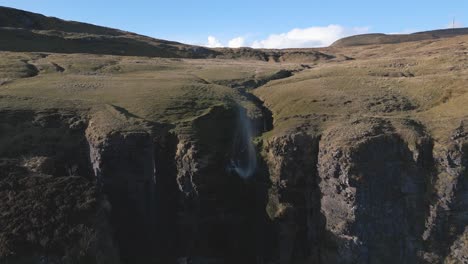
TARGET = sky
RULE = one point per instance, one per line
(259, 24)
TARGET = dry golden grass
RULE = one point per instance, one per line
(173, 91)
(424, 80)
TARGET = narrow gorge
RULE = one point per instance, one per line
(362, 189)
(117, 148)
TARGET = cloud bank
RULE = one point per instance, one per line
(296, 38)
(213, 42)
(308, 37)
(236, 42)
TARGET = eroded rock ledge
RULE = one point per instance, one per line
(362, 191)
(369, 191)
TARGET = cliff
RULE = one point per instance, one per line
(336, 155)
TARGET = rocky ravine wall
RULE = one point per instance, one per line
(363, 191)
(50, 208)
(123, 165)
(173, 196)
(369, 192)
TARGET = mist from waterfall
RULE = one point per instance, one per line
(244, 157)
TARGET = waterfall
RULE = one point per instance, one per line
(243, 158)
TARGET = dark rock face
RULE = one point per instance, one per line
(216, 210)
(373, 199)
(446, 232)
(293, 202)
(123, 164)
(52, 219)
(364, 191)
(51, 211)
(166, 198)
(173, 197)
(459, 250)
(52, 142)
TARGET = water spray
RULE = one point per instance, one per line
(244, 158)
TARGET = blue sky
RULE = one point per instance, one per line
(261, 23)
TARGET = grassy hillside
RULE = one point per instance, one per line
(156, 89)
(26, 31)
(15, 18)
(423, 80)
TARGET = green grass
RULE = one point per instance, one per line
(171, 91)
(424, 81)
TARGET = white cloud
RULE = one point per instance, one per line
(213, 42)
(236, 42)
(296, 38)
(457, 24)
(308, 37)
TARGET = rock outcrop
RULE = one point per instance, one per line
(373, 191)
(446, 224)
(51, 210)
(293, 203)
(216, 208)
(368, 191)
(124, 168)
(362, 191)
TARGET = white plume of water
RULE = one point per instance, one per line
(244, 157)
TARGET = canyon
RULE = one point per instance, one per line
(183, 154)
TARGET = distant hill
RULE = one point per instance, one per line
(275, 55)
(15, 18)
(372, 39)
(26, 31)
